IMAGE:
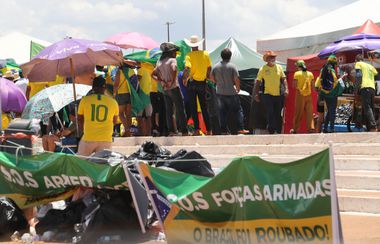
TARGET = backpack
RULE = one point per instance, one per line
(327, 78)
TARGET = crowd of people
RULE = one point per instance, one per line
(204, 94)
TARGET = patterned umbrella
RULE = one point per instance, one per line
(52, 99)
(12, 97)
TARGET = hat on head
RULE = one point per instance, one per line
(99, 82)
(168, 47)
(269, 54)
(8, 74)
(332, 59)
(194, 41)
(301, 64)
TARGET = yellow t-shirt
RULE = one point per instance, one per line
(304, 80)
(146, 80)
(198, 62)
(98, 111)
(5, 121)
(35, 87)
(272, 76)
(368, 74)
(58, 80)
(123, 84)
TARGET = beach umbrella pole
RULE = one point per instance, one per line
(75, 96)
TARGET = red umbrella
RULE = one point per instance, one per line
(132, 40)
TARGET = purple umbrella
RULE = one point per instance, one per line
(71, 57)
(12, 97)
(364, 42)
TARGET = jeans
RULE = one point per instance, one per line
(273, 106)
(173, 97)
(367, 96)
(229, 105)
(198, 89)
(331, 103)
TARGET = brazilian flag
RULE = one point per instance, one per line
(153, 55)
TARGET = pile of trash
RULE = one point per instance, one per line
(100, 215)
(344, 114)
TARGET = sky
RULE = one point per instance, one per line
(245, 20)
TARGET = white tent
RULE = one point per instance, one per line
(16, 45)
(314, 35)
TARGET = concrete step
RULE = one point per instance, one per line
(359, 180)
(360, 137)
(359, 201)
(264, 150)
(342, 162)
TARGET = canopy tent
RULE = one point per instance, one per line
(314, 35)
(17, 46)
(246, 59)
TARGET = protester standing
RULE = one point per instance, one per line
(272, 80)
(166, 73)
(121, 92)
(329, 88)
(302, 83)
(226, 77)
(97, 114)
(197, 71)
(365, 83)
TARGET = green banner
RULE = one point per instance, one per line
(250, 201)
(33, 180)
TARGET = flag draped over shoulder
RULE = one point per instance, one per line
(138, 100)
(262, 203)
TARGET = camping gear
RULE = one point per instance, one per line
(18, 135)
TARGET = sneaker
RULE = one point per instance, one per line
(243, 132)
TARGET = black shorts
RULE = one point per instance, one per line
(320, 104)
(123, 99)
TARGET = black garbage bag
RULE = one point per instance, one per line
(62, 220)
(11, 217)
(111, 214)
(189, 162)
(151, 152)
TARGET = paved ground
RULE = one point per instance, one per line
(361, 229)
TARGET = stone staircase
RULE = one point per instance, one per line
(356, 157)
